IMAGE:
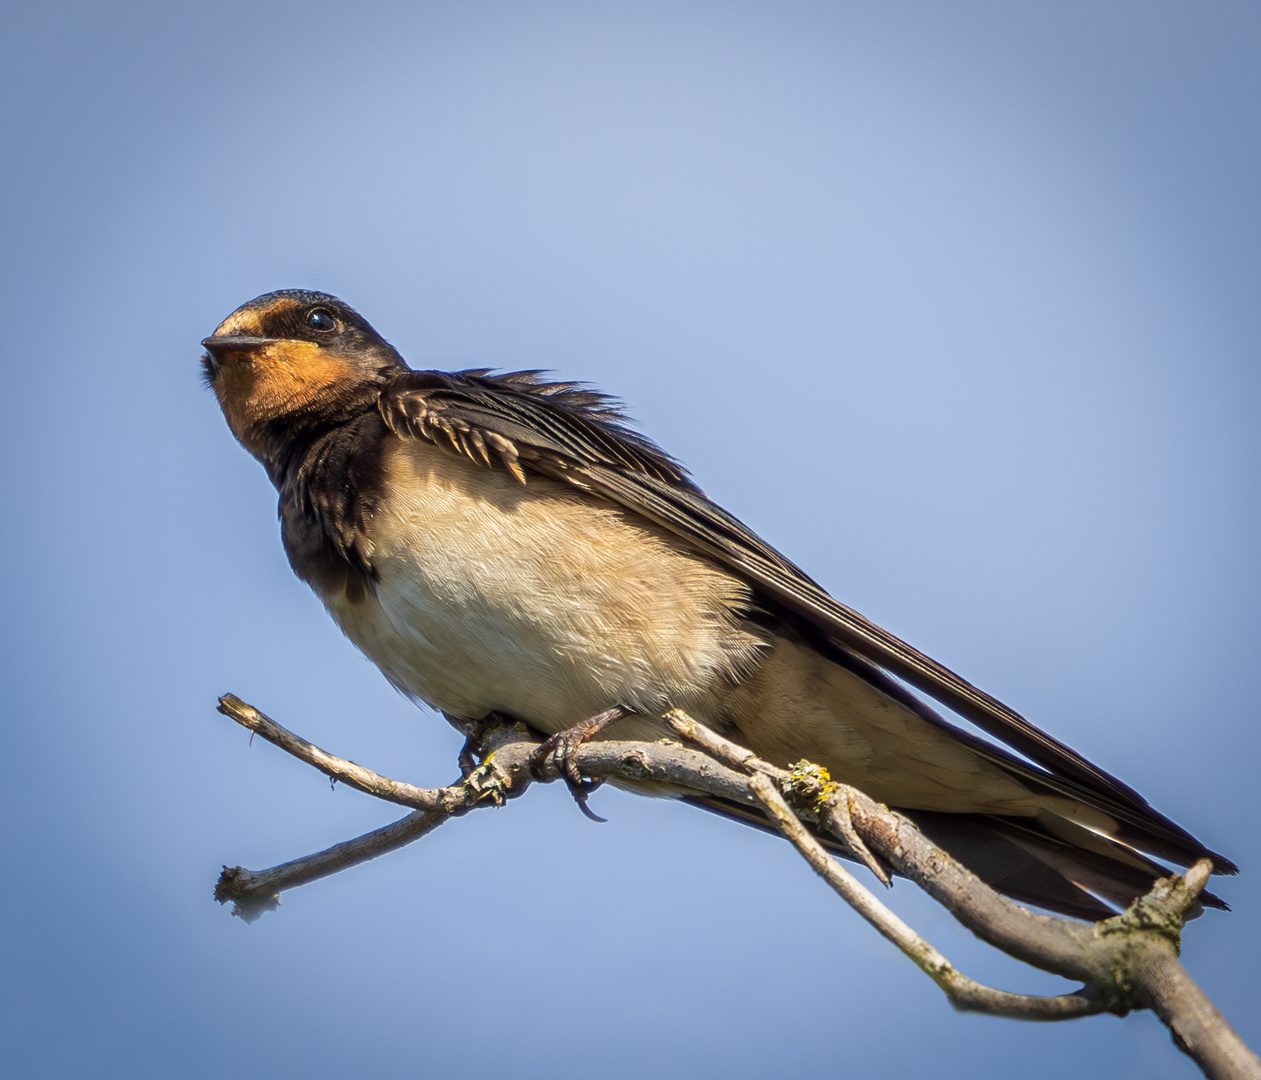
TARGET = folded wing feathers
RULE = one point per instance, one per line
(569, 432)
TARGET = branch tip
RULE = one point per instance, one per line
(1196, 878)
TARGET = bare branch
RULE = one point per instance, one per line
(1053, 944)
(504, 772)
(1127, 962)
(964, 992)
(350, 774)
(254, 892)
(506, 751)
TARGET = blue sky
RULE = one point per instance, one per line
(955, 304)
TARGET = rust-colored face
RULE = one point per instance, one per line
(291, 356)
(261, 378)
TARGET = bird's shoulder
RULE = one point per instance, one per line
(523, 422)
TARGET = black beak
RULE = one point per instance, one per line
(219, 347)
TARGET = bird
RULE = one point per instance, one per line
(505, 545)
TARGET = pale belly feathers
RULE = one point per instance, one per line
(536, 601)
(551, 606)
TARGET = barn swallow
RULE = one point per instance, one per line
(504, 544)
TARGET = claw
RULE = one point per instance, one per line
(564, 745)
(468, 756)
(580, 797)
(474, 731)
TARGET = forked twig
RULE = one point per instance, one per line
(1127, 962)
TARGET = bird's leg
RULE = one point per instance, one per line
(564, 744)
(474, 731)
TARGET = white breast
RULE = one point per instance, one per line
(535, 600)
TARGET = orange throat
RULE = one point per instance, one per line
(287, 378)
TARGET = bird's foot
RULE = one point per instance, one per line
(474, 732)
(564, 746)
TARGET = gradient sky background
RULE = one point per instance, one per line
(956, 304)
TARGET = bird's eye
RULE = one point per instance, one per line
(321, 320)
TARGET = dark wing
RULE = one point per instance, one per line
(517, 418)
(569, 433)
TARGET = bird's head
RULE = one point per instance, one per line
(294, 361)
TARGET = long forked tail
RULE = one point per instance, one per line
(1025, 859)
